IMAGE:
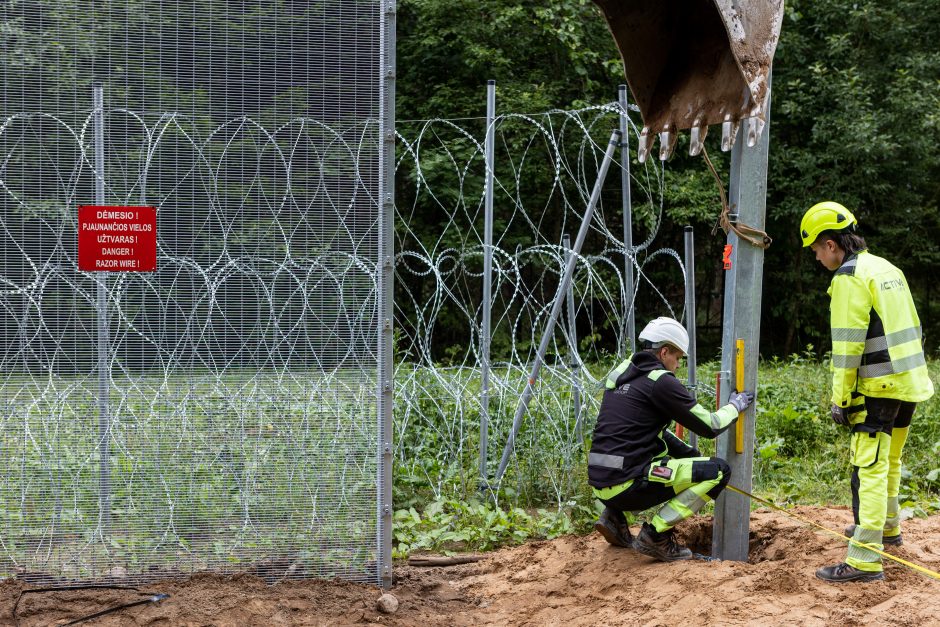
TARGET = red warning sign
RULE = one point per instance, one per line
(117, 239)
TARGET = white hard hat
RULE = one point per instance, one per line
(666, 330)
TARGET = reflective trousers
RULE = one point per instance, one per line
(691, 483)
(878, 437)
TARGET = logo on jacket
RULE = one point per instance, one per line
(892, 284)
(623, 389)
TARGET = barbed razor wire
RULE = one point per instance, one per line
(545, 167)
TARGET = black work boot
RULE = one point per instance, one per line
(885, 540)
(612, 524)
(842, 572)
(661, 546)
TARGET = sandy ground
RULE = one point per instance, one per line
(568, 581)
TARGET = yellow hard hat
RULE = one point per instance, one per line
(825, 216)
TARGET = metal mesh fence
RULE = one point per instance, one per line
(220, 412)
(545, 166)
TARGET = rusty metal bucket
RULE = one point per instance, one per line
(693, 63)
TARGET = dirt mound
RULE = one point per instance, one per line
(568, 581)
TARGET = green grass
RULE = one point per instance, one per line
(801, 458)
(214, 470)
(204, 471)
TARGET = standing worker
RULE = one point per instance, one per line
(879, 374)
(636, 462)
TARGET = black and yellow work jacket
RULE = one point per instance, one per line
(641, 401)
(877, 348)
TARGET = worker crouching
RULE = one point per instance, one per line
(636, 463)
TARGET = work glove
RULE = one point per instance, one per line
(839, 416)
(741, 400)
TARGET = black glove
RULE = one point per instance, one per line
(741, 400)
(839, 416)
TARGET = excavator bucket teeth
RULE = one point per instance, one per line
(696, 62)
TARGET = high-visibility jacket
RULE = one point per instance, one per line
(641, 401)
(876, 333)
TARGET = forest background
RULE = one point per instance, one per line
(855, 118)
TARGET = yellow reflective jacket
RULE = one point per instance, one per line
(876, 333)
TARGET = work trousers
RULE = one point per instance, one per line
(878, 436)
(691, 483)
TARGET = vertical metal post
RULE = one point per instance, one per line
(743, 282)
(690, 313)
(627, 217)
(386, 278)
(556, 305)
(574, 362)
(487, 276)
(104, 341)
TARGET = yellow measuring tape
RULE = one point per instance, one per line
(920, 569)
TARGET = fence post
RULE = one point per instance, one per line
(104, 340)
(747, 198)
(556, 305)
(627, 217)
(574, 361)
(487, 277)
(386, 279)
(690, 313)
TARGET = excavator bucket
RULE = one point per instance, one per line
(693, 63)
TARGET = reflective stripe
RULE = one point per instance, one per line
(605, 461)
(909, 363)
(692, 500)
(670, 516)
(846, 361)
(716, 421)
(685, 504)
(655, 374)
(709, 418)
(876, 344)
(904, 336)
(884, 342)
(848, 335)
(904, 364)
(611, 382)
(868, 536)
(893, 520)
(715, 418)
(876, 370)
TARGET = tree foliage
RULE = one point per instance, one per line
(855, 118)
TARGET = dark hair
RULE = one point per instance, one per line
(650, 347)
(849, 241)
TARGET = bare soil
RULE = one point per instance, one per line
(569, 581)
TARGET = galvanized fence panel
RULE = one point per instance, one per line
(221, 412)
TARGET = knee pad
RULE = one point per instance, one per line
(710, 470)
